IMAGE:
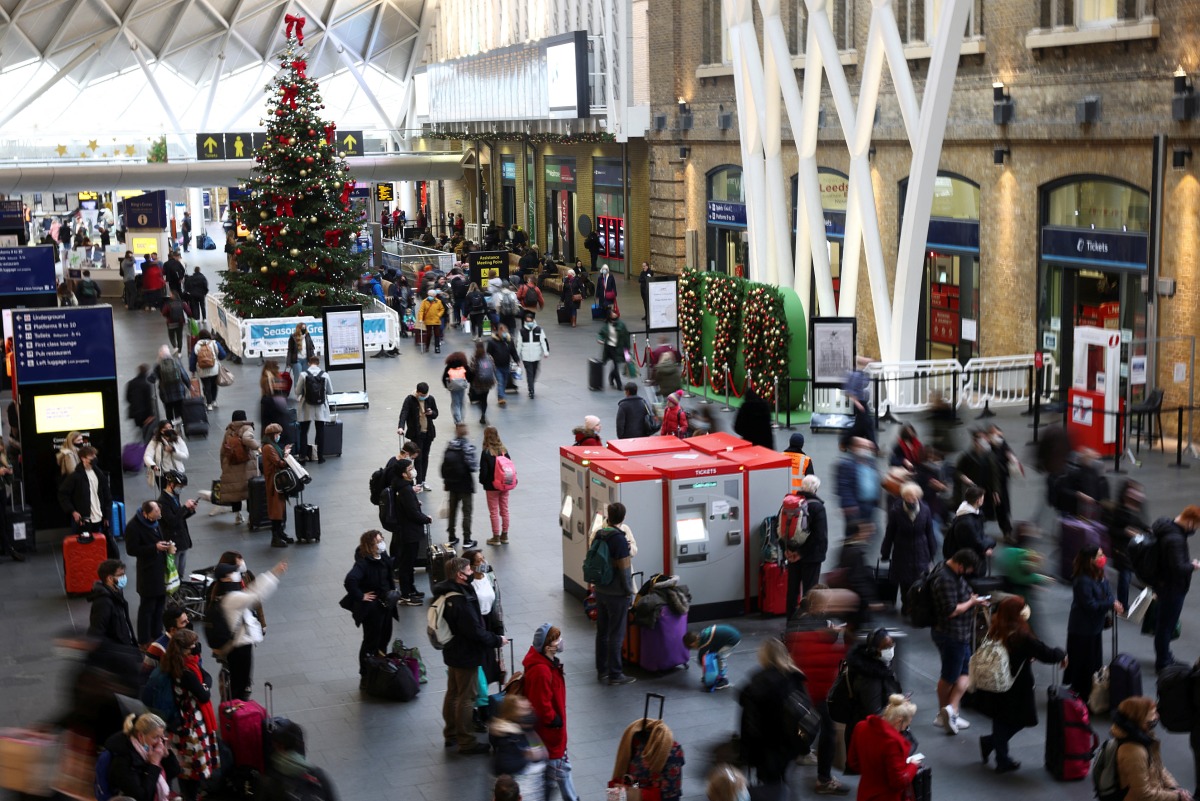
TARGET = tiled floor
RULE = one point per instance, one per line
(383, 750)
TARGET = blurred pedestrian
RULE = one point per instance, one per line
(909, 543)
(881, 752)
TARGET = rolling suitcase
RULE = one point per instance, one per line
(922, 784)
(436, 559)
(308, 522)
(423, 549)
(20, 518)
(256, 503)
(81, 559)
(595, 374)
(1124, 675)
(564, 314)
(242, 725)
(662, 647)
(631, 645)
(332, 439)
(118, 520)
(885, 588)
(1070, 742)
(195, 418)
(772, 589)
(1078, 532)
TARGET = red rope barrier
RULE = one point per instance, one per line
(645, 356)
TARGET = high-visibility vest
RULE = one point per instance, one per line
(800, 463)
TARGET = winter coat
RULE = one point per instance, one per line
(1092, 601)
(75, 494)
(369, 575)
(753, 422)
(585, 436)
(166, 456)
(880, 755)
(109, 618)
(966, 531)
(139, 395)
(466, 485)
(272, 460)
(308, 412)
(431, 311)
(218, 353)
(532, 344)
(141, 539)
(622, 335)
(174, 525)
(1139, 764)
(1018, 706)
(817, 650)
(502, 351)
(293, 351)
(471, 640)
(871, 682)
(546, 689)
(846, 474)
(410, 418)
(763, 729)
(172, 391)
(410, 520)
(674, 422)
(983, 471)
(129, 774)
(196, 285)
(1175, 565)
(816, 547)
(235, 478)
(239, 607)
(909, 543)
(631, 418)
(509, 743)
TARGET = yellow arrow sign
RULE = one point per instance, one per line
(210, 144)
(350, 141)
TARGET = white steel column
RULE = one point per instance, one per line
(748, 82)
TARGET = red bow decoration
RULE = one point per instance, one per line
(330, 134)
(283, 206)
(332, 238)
(299, 67)
(269, 232)
(289, 96)
(295, 24)
(283, 140)
(347, 188)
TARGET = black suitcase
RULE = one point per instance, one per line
(595, 375)
(195, 418)
(256, 503)
(20, 521)
(436, 560)
(423, 550)
(308, 522)
(564, 314)
(389, 679)
(922, 785)
(333, 439)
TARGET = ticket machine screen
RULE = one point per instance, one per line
(690, 527)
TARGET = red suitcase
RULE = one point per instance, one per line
(81, 561)
(242, 725)
(1070, 742)
(772, 589)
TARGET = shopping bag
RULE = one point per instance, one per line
(224, 377)
(172, 573)
(466, 326)
(193, 326)
(444, 509)
(633, 792)
(1137, 610)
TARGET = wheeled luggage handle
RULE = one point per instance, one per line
(269, 689)
(662, 699)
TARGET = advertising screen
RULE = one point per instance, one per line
(561, 80)
(143, 245)
(79, 411)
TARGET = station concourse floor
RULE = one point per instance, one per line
(378, 750)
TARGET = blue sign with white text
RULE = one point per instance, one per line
(147, 211)
(25, 271)
(12, 216)
(59, 345)
(721, 212)
(1095, 248)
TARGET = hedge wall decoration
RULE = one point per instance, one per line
(765, 347)
(723, 300)
(690, 314)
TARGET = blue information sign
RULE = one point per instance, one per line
(835, 224)
(724, 213)
(69, 344)
(1096, 248)
(606, 173)
(236, 193)
(147, 211)
(961, 235)
(24, 271)
(12, 216)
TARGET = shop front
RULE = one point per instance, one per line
(560, 208)
(728, 249)
(608, 188)
(1092, 264)
(508, 190)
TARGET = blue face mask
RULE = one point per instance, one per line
(122, 581)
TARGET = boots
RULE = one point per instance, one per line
(504, 538)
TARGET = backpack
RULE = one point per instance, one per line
(375, 485)
(169, 374)
(1145, 554)
(435, 621)
(159, 697)
(920, 598)
(508, 304)
(597, 565)
(454, 466)
(457, 378)
(990, 669)
(216, 628)
(205, 358)
(485, 372)
(1106, 782)
(234, 449)
(476, 303)
(531, 296)
(505, 477)
(387, 508)
(801, 721)
(314, 389)
(88, 289)
(1175, 688)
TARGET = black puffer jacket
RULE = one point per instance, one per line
(871, 682)
(368, 575)
(110, 616)
(471, 640)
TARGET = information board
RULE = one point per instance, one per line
(343, 334)
(12, 216)
(834, 342)
(664, 305)
(484, 265)
(383, 193)
(62, 345)
(26, 271)
(146, 211)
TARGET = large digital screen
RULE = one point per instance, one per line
(143, 245)
(561, 79)
(79, 411)
(690, 529)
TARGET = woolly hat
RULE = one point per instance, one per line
(591, 422)
(675, 397)
(791, 503)
(239, 416)
(545, 634)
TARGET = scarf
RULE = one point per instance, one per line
(192, 663)
(422, 420)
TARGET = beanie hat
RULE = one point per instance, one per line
(239, 416)
(591, 422)
(791, 503)
(796, 442)
(544, 635)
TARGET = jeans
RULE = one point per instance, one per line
(612, 615)
(617, 357)
(531, 371)
(467, 499)
(175, 336)
(149, 618)
(1170, 607)
(458, 706)
(376, 632)
(457, 398)
(558, 772)
(502, 374)
(497, 501)
(826, 742)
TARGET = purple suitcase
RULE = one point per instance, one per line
(662, 646)
(1076, 533)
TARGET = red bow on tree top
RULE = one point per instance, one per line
(295, 24)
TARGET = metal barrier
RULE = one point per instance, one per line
(410, 258)
(1006, 380)
(981, 383)
(909, 386)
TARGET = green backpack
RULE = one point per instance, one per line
(597, 565)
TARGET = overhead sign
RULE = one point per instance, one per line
(384, 193)
(350, 142)
(724, 213)
(1091, 247)
(239, 145)
(12, 217)
(210, 146)
(26, 271)
(60, 345)
(147, 211)
(485, 265)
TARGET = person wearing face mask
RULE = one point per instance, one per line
(409, 530)
(483, 579)
(236, 602)
(173, 518)
(532, 347)
(1140, 767)
(68, 453)
(1174, 577)
(145, 542)
(908, 542)
(109, 617)
(606, 289)
(142, 766)
(857, 478)
(871, 676)
(194, 739)
(430, 314)
(614, 341)
(967, 529)
(1007, 464)
(369, 596)
(503, 352)
(977, 467)
(272, 461)
(1016, 708)
(546, 689)
(516, 749)
(1126, 521)
(416, 422)
(86, 497)
(1092, 602)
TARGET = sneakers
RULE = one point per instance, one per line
(831, 787)
(502, 402)
(216, 510)
(807, 760)
(613, 681)
(940, 720)
(239, 519)
(411, 600)
(721, 683)
(953, 722)
(494, 540)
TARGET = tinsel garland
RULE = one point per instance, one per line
(690, 317)
(765, 347)
(723, 300)
(589, 138)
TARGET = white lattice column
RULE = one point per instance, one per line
(748, 83)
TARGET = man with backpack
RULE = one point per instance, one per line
(530, 296)
(88, 291)
(313, 391)
(459, 465)
(635, 418)
(952, 603)
(232, 625)
(607, 568)
(1162, 561)
(457, 624)
(508, 307)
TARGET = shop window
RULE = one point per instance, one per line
(1099, 203)
(1089, 13)
(725, 184)
(795, 21)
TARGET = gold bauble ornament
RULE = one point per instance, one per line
(303, 173)
(274, 263)
(262, 269)
(262, 215)
(283, 231)
(342, 153)
(291, 140)
(313, 220)
(294, 252)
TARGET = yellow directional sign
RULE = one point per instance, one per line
(210, 146)
(350, 142)
(239, 145)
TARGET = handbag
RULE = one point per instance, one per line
(214, 496)
(634, 792)
(286, 483)
(172, 574)
(577, 298)
(1098, 699)
(224, 377)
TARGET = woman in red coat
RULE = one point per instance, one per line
(546, 689)
(880, 752)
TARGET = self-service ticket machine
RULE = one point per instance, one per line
(720, 442)
(573, 516)
(765, 481)
(640, 488)
(703, 530)
(646, 446)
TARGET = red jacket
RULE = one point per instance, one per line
(152, 277)
(674, 421)
(546, 689)
(880, 753)
(817, 653)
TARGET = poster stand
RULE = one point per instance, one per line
(835, 350)
(344, 350)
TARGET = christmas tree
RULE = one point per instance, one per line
(298, 257)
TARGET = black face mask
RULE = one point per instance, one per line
(196, 650)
